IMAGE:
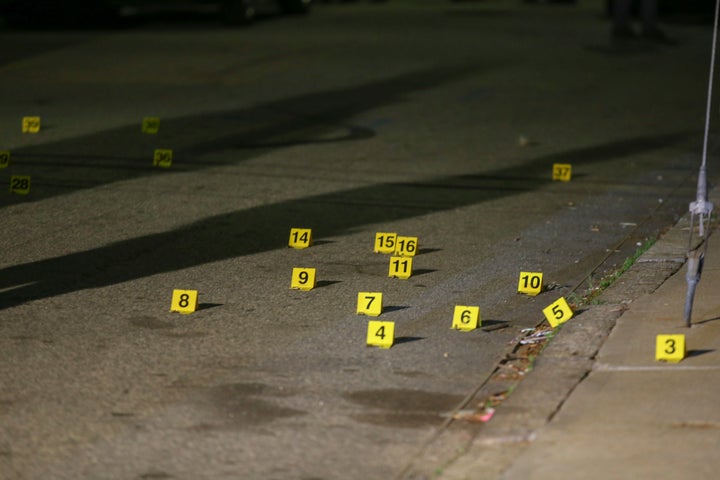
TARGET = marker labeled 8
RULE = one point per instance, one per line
(184, 301)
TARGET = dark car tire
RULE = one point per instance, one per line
(238, 12)
(54, 14)
(295, 6)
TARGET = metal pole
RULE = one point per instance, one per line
(701, 207)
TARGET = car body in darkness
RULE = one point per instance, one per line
(679, 10)
(231, 11)
(69, 12)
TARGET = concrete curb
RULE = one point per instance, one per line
(567, 360)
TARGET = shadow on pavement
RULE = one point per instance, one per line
(200, 141)
(293, 121)
(265, 227)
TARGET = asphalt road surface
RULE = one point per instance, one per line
(440, 120)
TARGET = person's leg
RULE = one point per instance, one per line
(649, 15)
(650, 29)
(621, 18)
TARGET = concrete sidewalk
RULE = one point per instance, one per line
(623, 414)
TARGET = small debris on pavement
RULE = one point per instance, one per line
(497, 398)
(537, 337)
(552, 286)
(473, 416)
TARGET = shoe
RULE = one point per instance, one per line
(623, 34)
(655, 35)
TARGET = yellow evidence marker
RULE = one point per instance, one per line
(31, 125)
(530, 283)
(670, 348)
(184, 301)
(466, 318)
(369, 303)
(162, 157)
(562, 172)
(20, 184)
(300, 238)
(380, 334)
(151, 125)
(406, 246)
(303, 279)
(4, 159)
(400, 267)
(558, 312)
(385, 242)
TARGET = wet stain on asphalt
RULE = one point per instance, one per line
(184, 334)
(150, 323)
(5, 406)
(398, 420)
(27, 338)
(243, 405)
(411, 373)
(403, 408)
(405, 400)
(155, 475)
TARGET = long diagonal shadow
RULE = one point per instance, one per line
(125, 153)
(265, 227)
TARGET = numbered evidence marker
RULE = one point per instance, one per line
(530, 283)
(558, 312)
(4, 159)
(385, 242)
(466, 318)
(31, 124)
(20, 184)
(380, 334)
(303, 279)
(670, 348)
(151, 125)
(406, 246)
(184, 301)
(562, 172)
(400, 267)
(162, 157)
(369, 303)
(300, 238)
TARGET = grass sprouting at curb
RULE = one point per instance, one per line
(594, 291)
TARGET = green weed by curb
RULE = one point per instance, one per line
(594, 291)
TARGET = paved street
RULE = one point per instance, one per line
(435, 119)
